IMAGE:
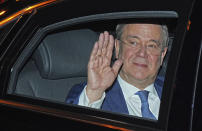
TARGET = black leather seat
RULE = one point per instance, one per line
(58, 63)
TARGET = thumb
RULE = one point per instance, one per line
(116, 66)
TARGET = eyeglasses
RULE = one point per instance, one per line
(152, 47)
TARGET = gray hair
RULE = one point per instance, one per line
(119, 31)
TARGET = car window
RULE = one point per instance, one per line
(53, 66)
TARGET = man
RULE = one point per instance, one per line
(128, 86)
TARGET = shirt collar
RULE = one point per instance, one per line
(130, 90)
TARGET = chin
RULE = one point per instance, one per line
(139, 76)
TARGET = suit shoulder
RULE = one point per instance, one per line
(75, 92)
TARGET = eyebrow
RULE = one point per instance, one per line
(157, 42)
(131, 36)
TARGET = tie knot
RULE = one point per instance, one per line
(143, 95)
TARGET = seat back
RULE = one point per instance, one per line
(163, 68)
(59, 62)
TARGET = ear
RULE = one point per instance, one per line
(117, 48)
(163, 54)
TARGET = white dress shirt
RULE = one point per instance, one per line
(133, 101)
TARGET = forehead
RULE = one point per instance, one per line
(149, 31)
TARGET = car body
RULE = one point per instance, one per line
(24, 24)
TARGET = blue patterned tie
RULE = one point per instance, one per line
(145, 106)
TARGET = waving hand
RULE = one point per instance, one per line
(100, 74)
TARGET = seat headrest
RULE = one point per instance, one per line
(163, 68)
(65, 54)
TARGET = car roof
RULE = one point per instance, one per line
(92, 7)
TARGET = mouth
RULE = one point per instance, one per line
(140, 65)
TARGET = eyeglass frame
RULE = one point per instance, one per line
(126, 43)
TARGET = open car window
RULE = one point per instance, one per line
(56, 58)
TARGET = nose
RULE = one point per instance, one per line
(142, 51)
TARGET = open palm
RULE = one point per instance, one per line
(100, 74)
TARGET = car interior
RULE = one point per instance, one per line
(58, 63)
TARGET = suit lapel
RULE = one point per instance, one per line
(114, 100)
(159, 85)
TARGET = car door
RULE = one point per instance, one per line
(35, 100)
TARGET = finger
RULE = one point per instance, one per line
(100, 60)
(95, 63)
(116, 66)
(106, 61)
(105, 43)
(106, 39)
(110, 47)
(104, 50)
(100, 44)
(94, 51)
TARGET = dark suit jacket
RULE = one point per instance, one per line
(114, 100)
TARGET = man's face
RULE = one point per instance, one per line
(141, 64)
